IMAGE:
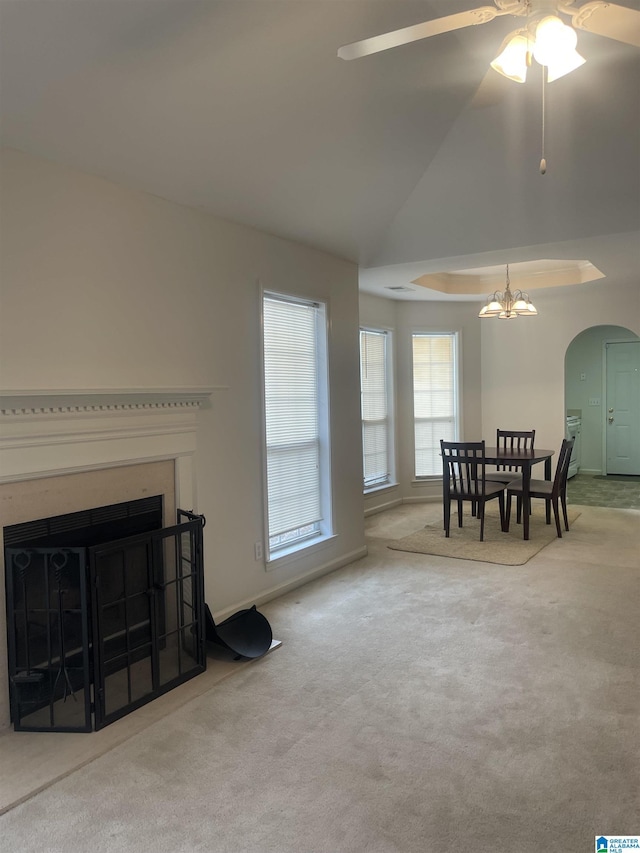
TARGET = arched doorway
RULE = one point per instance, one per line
(602, 373)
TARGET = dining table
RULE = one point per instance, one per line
(523, 460)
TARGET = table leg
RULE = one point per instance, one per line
(526, 500)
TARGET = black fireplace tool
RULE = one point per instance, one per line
(22, 561)
(58, 566)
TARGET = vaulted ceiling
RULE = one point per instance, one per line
(414, 161)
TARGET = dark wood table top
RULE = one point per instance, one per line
(500, 456)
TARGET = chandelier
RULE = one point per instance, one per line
(508, 305)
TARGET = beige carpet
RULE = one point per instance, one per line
(417, 705)
(508, 549)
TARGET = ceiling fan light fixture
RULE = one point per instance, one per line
(513, 59)
(551, 43)
(554, 40)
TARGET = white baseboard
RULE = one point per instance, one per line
(382, 507)
(282, 589)
(421, 499)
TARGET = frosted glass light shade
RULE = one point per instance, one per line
(512, 62)
(554, 40)
(564, 65)
(491, 309)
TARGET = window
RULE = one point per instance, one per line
(296, 422)
(435, 398)
(375, 387)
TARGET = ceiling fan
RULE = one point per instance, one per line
(544, 35)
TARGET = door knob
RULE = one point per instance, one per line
(610, 420)
(610, 411)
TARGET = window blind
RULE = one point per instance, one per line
(434, 399)
(291, 409)
(375, 408)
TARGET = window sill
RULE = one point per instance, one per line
(374, 490)
(425, 481)
(287, 556)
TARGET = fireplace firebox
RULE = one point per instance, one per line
(105, 612)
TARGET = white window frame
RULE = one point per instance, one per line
(388, 420)
(452, 434)
(276, 555)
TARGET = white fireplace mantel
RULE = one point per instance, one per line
(44, 433)
(32, 402)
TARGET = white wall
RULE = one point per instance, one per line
(105, 287)
(523, 377)
(585, 358)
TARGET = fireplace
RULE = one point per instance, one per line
(68, 452)
(105, 611)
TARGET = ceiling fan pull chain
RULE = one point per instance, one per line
(543, 162)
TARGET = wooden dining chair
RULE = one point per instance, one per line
(511, 440)
(463, 479)
(553, 492)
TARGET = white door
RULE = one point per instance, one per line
(623, 407)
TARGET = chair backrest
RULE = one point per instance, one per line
(514, 440)
(463, 468)
(562, 468)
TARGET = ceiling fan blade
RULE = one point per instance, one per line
(607, 19)
(418, 31)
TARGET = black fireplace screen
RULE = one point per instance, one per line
(97, 631)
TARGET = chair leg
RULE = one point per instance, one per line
(447, 517)
(519, 510)
(502, 513)
(507, 519)
(481, 512)
(460, 511)
(563, 498)
(556, 515)
(548, 510)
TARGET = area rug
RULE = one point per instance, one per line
(507, 549)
